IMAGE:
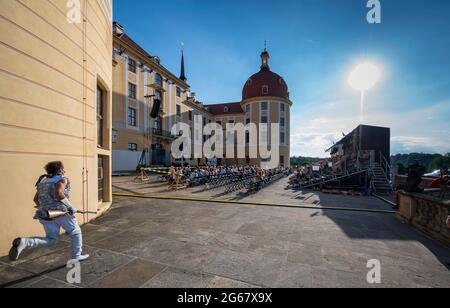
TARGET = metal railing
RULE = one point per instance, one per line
(333, 178)
(162, 133)
(386, 166)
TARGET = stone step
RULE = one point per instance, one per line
(383, 188)
(382, 183)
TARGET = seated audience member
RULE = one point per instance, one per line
(442, 180)
(415, 173)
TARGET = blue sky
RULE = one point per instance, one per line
(314, 45)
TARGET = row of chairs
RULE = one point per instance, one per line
(198, 181)
(211, 182)
(219, 181)
(239, 183)
(255, 186)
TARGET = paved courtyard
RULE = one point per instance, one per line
(162, 243)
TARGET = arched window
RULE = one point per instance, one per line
(265, 89)
(226, 109)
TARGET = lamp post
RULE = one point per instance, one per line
(363, 78)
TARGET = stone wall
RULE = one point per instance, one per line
(427, 211)
(401, 180)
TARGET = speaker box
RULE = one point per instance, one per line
(155, 109)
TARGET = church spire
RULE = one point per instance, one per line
(182, 74)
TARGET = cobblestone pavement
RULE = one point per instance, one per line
(161, 243)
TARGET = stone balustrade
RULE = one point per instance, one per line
(427, 211)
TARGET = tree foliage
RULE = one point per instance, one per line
(300, 160)
(430, 161)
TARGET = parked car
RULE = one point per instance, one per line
(435, 174)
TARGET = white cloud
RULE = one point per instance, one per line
(423, 129)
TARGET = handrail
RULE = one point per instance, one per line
(387, 167)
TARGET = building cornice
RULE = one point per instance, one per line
(147, 61)
(266, 98)
(196, 106)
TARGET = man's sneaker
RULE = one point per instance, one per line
(18, 246)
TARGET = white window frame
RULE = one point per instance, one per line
(265, 113)
(282, 115)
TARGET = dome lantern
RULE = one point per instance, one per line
(265, 60)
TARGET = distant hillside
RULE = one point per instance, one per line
(299, 160)
(431, 161)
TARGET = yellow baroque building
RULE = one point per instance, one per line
(139, 79)
(55, 104)
(140, 139)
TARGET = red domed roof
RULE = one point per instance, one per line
(265, 83)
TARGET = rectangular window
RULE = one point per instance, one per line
(190, 115)
(115, 136)
(131, 90)
(132, 147)
(159, 96)
(283, 107)
(247, 108)
(282, 137)
(247, 137)
(264, 120)
(100, 116)
(131, 116)
(265, 90)
(264, 106)
(157, 124)
(158, 80)
(282, 122)
(178, 91)
(281, 161)
(178, 110)
(132, 65)
(101, 178)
